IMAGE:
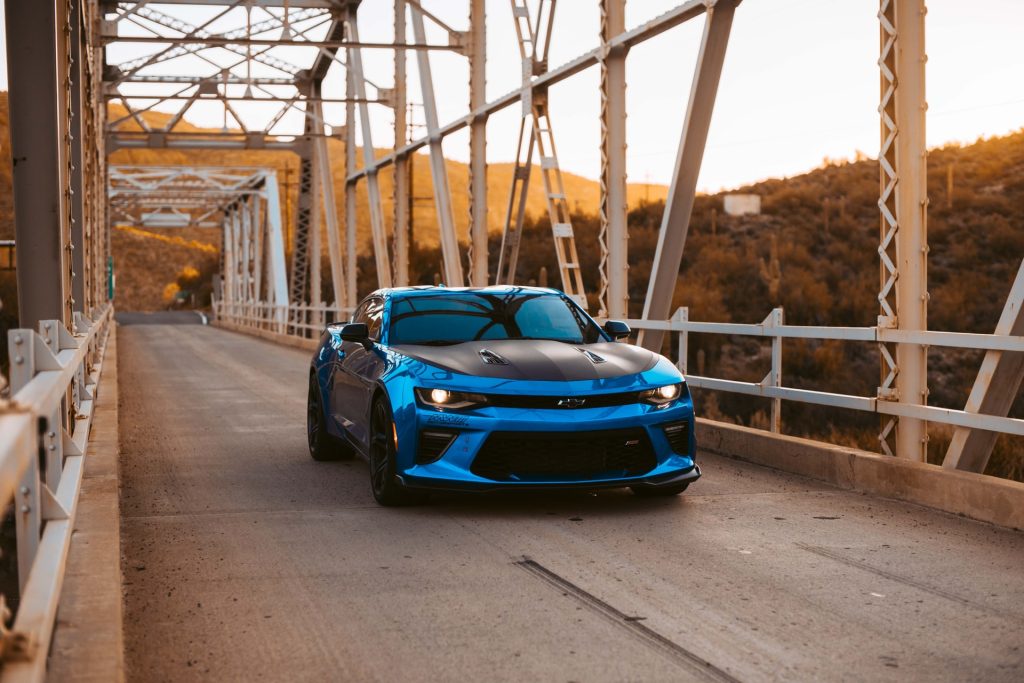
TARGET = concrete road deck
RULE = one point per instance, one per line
(246, 560)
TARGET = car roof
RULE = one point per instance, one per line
(405, 292)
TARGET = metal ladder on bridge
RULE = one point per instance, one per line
(535, 106)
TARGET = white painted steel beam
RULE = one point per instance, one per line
(911, 217)
(478, 242)
(614, 241)
(355, 72)
(400, 182)
(278, 275)
(452, 262)
(675, 221)
(37, 132)
(995, 389)
(321, 156)
(670, 19)
(351, 216)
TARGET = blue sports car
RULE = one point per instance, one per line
(496, 387)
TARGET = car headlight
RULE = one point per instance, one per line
(442, 399)
(662, 396)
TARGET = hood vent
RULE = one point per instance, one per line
(491, 358)
(594, 358)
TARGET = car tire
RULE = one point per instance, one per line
(322, 446)
(387, 490)
(659, 491)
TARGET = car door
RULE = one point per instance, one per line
(341, 385)
(359, 369)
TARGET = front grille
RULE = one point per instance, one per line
(433, 444)
(567, 402)
(678, 434)
(525, 456)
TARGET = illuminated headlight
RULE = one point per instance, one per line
(662, 395)
(442, 399)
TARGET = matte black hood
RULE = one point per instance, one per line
(539, 360)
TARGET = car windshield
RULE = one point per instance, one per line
(455, 318)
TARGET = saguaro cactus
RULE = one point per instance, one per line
(771, 272)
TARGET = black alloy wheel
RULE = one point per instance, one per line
(322, 446)
(386, 488)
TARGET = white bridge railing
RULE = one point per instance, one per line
(309, 321)
(302, 321)
(771, 386)
(44, 431)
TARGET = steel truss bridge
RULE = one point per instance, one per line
(91, 77)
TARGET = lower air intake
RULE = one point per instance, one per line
(678, 435)
(546, 456)
(433, 444)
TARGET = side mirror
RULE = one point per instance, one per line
(617, 329)
(357, 332)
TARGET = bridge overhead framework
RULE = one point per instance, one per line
(88, 78)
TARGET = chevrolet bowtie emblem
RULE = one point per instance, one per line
(571, 402)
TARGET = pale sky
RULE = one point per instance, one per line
(800, 83)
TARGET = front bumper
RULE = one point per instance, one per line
(454, 469)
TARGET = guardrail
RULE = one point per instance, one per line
(308, 321)
(303, 321)
(44, 432)
(771, 386)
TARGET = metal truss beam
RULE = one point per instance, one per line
(322, 157)
(216, 41)
(401, 180)
(675, 222)
(36, 62)
(639, 34)
(995, 389)
(293, 4)
(655, 27)
(614, 238)
(453, 276)
(903, 205)
(478, 243)
(355, 74)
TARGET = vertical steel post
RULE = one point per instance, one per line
(438, 166)
(614, 295)
(904, 208)
(278, 285)
(351, 216)
(682, 315)
(315, 278)
(37, 129)
(79, 233)
(401, 170)
(776, 319)
(322, 154)
(675, 222)
(355, 66)
(304, 206)
(478, 245)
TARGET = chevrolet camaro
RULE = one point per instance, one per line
(502, 387)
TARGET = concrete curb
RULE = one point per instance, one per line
(277, 338)
(987, 499)
(88, 642)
